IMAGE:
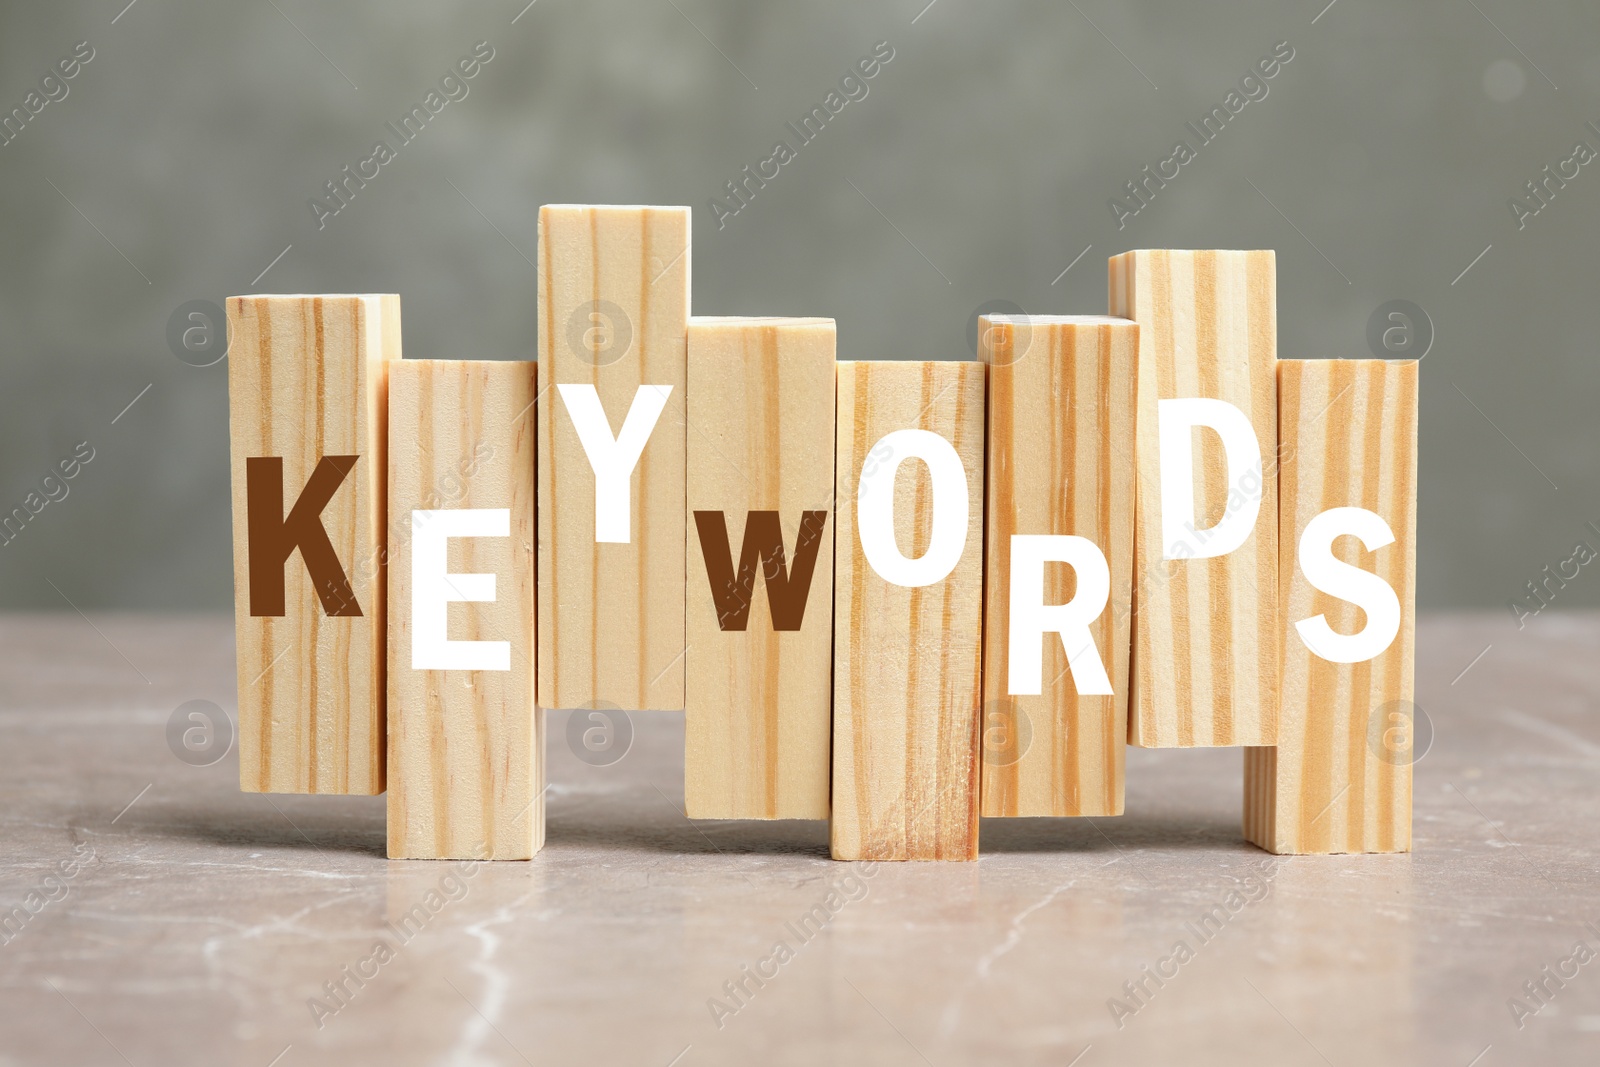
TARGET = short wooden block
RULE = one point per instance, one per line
(306, 382)
(1060, 464)
(613, 311)
(466, 741)
(908, 605)
(1205, 627)
(1339, 779)
(760, 568)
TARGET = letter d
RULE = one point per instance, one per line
(1175, 422)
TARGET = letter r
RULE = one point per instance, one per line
(1032, 618)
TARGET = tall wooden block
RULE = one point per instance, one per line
(908, 607)
(1205, 625)
(306, 403)
(760, 568)
(1060, 465)
(466, 751)
(613, 311)
(1339, 779)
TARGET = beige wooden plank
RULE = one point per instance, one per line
(613, 311)
(906, 690)
(466, 751)
(1060, 463)
(306, 404)
(1204, 669)
(760, 568)
(1339, 779)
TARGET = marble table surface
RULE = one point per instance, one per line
(151, 914)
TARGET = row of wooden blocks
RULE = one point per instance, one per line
(893, 594)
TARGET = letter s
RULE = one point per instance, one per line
(1366, 591)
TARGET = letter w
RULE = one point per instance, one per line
(763, 537)
(272, 538)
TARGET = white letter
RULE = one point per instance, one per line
(1032, 618)
(613, 460)
(875, 509)
(1366, 591)
(1175, 422)
(433, 587)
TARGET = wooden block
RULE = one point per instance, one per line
(613, 312)
(908, 620)
(306, 401)
(760, 568)
(1060, 465)
(1339, 779)
(1205, 625)
(466, 742)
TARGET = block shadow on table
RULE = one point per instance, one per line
(335, 827)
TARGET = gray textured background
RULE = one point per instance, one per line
(992, 142)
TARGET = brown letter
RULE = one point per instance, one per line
(763, 537)
(273, 538)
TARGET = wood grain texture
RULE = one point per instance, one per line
(1060, 461)
(611, 614)
(761, 439)
(907, 684)
(306, 380)
(1339, 779)
(1204, 671)
(466, 747)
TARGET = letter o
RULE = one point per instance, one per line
(875, 510)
